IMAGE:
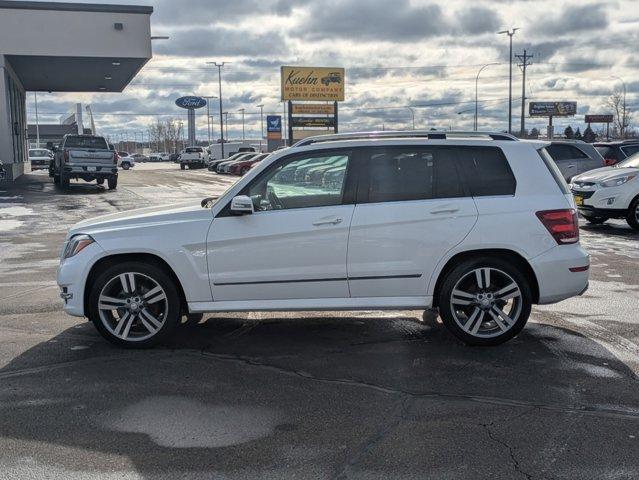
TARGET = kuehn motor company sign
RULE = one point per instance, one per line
(313, 84)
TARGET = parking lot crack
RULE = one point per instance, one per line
(511, 451)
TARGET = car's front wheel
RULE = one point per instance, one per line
(134, 305)
(632, 216)
(126, 166)
(485, 301)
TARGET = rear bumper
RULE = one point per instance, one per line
(87, 172)
(556, 281)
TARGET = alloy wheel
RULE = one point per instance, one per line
(486, 302)
(133, 306)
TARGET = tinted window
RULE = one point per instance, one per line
(194, 150)
(315, 180)
(486, 171)
(73, 141)
(560, 151)
(630, 150)
(607, 152)
(416, 173)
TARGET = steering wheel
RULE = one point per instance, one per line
(273, 200)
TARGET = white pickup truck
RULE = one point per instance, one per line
(194, 157)
(86, 157)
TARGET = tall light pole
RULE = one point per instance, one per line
(226, 125)
(219, 82)
(477, 96)
(242, 110)
(623, 119)
(261, 107)
(208, 115)
(412, 112)
(38, 122)
(510, 34)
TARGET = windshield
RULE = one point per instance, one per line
(76, 141)
(630, 162)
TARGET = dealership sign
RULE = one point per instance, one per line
(190, 102)
(599, 118)
(317, 122)
(274, 127)
(313, 109)
(552, 109)
(313, 83)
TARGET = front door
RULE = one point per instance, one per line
(411, 209)
(294, 245)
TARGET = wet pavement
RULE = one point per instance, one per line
(305, 394)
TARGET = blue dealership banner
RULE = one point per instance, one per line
(274, 127)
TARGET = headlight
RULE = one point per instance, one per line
(76, 244)
(615, 182)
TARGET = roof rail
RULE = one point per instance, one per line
(430, 134)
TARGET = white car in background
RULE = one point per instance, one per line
(480, 226)
(609, 192)
(125, 161)
(40, 158)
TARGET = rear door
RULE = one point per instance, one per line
(411, 209)
(570, 160)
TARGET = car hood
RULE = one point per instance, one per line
(603, 174)
(163, 214)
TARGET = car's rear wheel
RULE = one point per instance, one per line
(112, 182)
(182, 166)
(125, 166)
(485, 301)
(134, 305)
(632, 217)
(64, 180)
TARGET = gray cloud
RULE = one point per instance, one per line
(574, 19)
(477, 20)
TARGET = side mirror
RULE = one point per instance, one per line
(241, 205)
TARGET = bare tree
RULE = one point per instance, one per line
(622, 113)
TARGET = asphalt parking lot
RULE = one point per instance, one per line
(305, 395)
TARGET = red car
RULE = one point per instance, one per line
(243, 166)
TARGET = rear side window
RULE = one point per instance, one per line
(554, 170)
(486, 171)
(73, 141)
(607, 152)
(413, 173)
(559, 151)
(630, 150)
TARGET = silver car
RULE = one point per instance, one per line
(574, 157)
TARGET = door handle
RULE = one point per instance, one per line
(445, 209)
(328, 221)
(571, 166)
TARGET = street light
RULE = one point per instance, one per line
(208, 116)
(510, 34)
(476, 92)
(261, 107)
(226, 125)
(412, 112)
(623, 120)
(219, 81)
(242, 110)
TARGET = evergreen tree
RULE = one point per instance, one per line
(569, 133)
(589, 135)
(578, 135)
(534, 133)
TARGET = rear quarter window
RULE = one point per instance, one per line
(554, 170)
(486, 171)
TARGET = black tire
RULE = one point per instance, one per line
(56, 179)
(192, 319)
(64, 180)
(112, 183)
(100, 181)
(244, 170)
(158, 275)
(126, 166)
(464, 272)
(632, 217)
(596, 220)
(182, 166)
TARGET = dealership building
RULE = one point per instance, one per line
(63, 47)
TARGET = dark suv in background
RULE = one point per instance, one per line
(615, 152)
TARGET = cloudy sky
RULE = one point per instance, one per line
(398, 54)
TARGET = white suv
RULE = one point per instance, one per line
(609, 192)
(479, 226)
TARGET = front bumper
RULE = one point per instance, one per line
(556, 281)
(72, 276)
(599, 200)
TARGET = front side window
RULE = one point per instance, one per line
(414, 173)
(314, 180)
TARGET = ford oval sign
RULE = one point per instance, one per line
(190, 102)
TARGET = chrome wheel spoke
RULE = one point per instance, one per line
(483, 278)
(508, 292)
(462, 298)
(151, 323)
(128, 282)
(468, 326)
(124, 319)
(110, 303)
(154, 295)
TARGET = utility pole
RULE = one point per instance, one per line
(38, 122)
(226, 125)
(219, 81)
(524, 59)
(242, 110)
(261, 107)
(510, 34)
(208, 116)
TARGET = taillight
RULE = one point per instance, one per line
(66, 155)
(563, 225)
(608, 162)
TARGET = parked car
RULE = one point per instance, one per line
(609, 192)
(415, 223)
(240, 167)
(574, 157)
(40, 158)
(3, 172)
(193, 157)
(138, 157)
(225, 167)
(125, 161)
(85, 157)
(614, 152)
(212, 165)
(230, 148)
(174, 157)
